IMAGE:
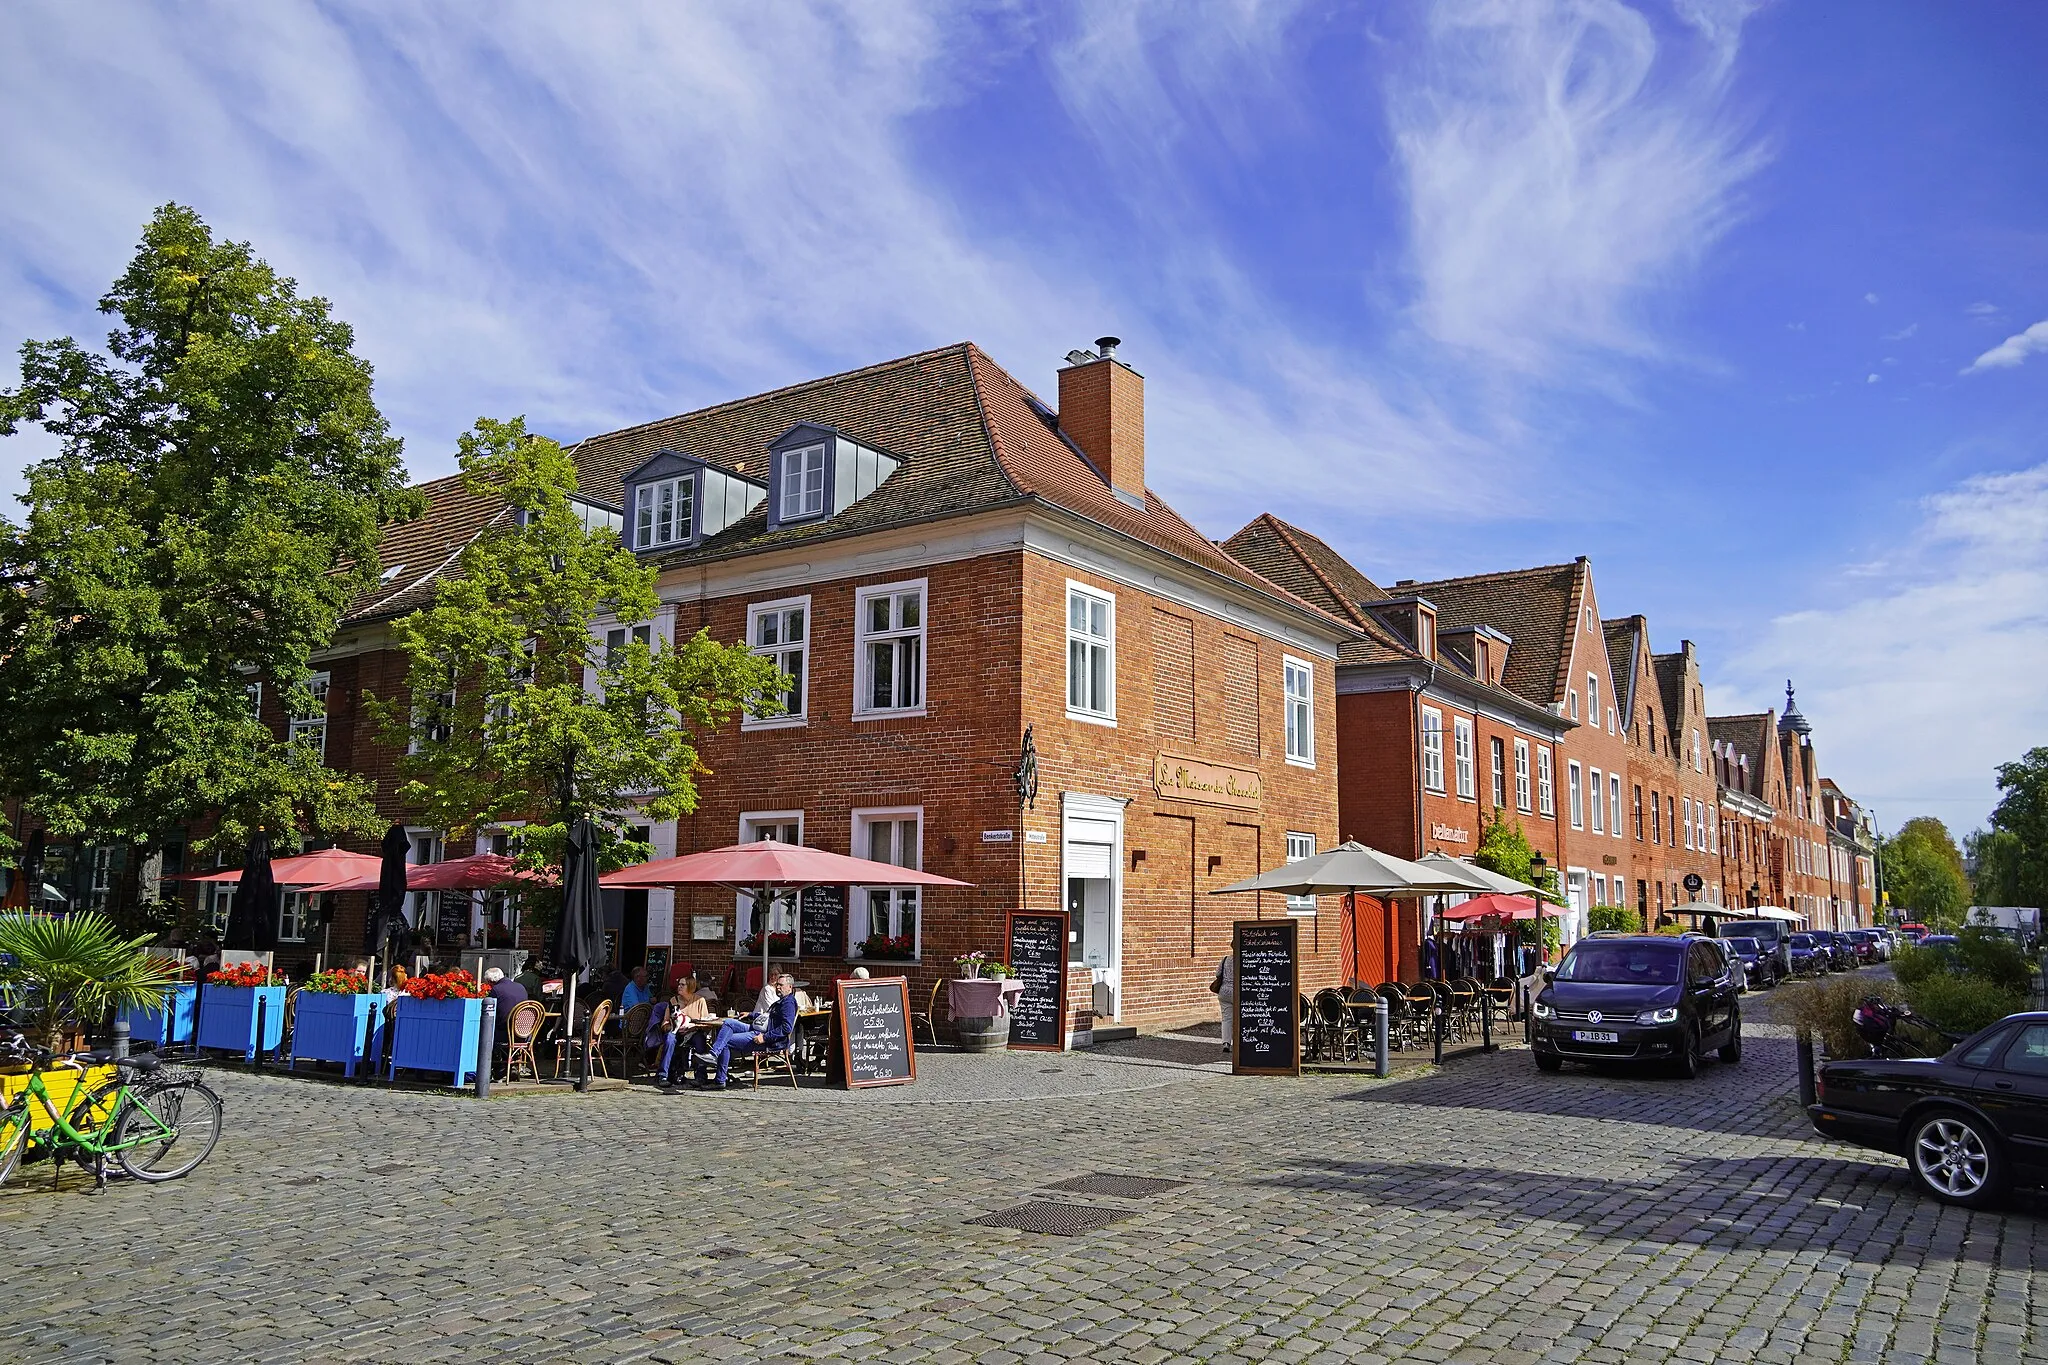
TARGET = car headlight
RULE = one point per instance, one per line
(1544, 1011)
(1667, 1015)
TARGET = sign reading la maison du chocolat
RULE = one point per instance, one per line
(1179, 778)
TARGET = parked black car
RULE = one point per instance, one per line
(1759, 964)
(1970, 1123)
(1841, 957)
(1810, 957)
(1636, 998)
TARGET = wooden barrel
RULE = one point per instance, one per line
(984, 1035)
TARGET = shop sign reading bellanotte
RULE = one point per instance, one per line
(1176, 777)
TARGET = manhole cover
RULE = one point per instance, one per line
(1049, 1216)
(1121, 1186)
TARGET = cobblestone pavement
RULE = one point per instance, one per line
(1485, 1213)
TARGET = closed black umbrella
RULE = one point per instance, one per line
(387, 905)
(579, 930)
(252, 921)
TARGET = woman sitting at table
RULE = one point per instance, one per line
(668, 1024)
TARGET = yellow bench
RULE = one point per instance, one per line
(61, 1082)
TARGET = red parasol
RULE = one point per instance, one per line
(316, 870)
(1506, 906)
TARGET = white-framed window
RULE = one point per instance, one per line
(1599, 888)
(1432, 749)
(663, 511)
(1299, 685)
(1461, 756)
(254, 692)
(1091, 654)
(1597, 803)
(218, 900)
(1546, 785)
(1614, 801)
(616, 638)
(889, 650)
(888, 912)
(311, 731)
(1571, 702)
(1696, 752)
(1300, 846)
(1685, 808)
(1575, 783)
(1714, 830)
(1592, 701)
(423, 846)
(433, 719)
(783, 826)
(1497, 771)
(1521, 774)
(803, 483)
(780, 632)
(294, 913)
(1613, 726)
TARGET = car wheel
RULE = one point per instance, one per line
(1955, 1158)
(1546, 1062)
(1731, 1051)
(1688, 1065)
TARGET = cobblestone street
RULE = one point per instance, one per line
(1486, 1213)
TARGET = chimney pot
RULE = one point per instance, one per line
(1102, 411)
(1106, 346)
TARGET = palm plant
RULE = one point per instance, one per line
(70, 971)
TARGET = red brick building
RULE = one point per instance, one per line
(945, 564)
(1775, 834)
(1670, 794)
(1431, 740)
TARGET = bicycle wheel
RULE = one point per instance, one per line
(188, 1110)
(13, 1137)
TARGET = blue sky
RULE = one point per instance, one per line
(1734, 299)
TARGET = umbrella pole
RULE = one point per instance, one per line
(569, 1020)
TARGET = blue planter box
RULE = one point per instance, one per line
(227, 1018)
(167, 1024)
(337, 1028)
(437, 1035)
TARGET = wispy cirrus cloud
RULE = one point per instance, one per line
(2012, 351)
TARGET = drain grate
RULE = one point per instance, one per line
(1050, 1216)
(1121, 1186)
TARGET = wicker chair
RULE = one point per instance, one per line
(565, 1044)
(930, 1017)
(631, 1042)
(522, 1026)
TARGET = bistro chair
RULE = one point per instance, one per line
(291, 1011)
(930, 1017)
(1313, 1045)
(567, 1042)
(1397, 1013)
(631, 1041)
(1341, 1034)
(781, 1059)
(1359, 1000)
(522, 1026)
(1502, 994)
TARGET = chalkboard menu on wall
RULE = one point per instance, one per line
(874, 1032)
(1038, 958)
(1268, 999)
(451, 926)
(824, 922)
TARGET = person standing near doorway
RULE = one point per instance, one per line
(1224, 988)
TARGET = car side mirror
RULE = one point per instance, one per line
(1549, 976)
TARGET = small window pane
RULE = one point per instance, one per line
(908, 611)
(878, 613)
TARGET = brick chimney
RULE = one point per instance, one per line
(1102, 410)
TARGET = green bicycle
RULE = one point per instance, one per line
(158, 1128)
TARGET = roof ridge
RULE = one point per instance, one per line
(976, 358)
(797, 387)
(1494, 574)
(1286, 533)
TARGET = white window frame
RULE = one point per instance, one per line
(681, 511)
(1497, 770)
(1571, 702)
(1575, 792)
(1696, 752)
(1593, 700)
(1462, 759)
(1524, 783)
(1685, 811)
(1300, 727)
(779, 910)
(1546, 784)
(415, 902)
(798, 463)
(424, 724)
(294, 912)
(799, 712)
(1596, 802)
(1090, 645)
(1300, 846)
(313, 727)
(1432, 749)
(862, 638)
(860, 924)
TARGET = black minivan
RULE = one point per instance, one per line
(1638, 998)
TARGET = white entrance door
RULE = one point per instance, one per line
(1091, 861)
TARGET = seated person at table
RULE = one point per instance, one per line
(636, 991)
(507, 993)
(529, 977)
(667, 1024)
(744, 1037)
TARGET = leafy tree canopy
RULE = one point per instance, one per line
(214, 504)
(2023, 813)
(1923, 870)
(520, 711)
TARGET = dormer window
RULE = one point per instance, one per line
(663, 511)
(803, 483)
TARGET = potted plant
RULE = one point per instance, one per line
(234, 1000)
(883, 948)
(439, 1021)
(336, 1017)
(781, 943)
(67, 973)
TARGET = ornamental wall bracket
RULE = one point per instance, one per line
(1026, 776)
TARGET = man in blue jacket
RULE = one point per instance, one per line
(745, 1037)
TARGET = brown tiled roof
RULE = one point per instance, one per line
(1621, 637)
(420, 550)
(1535, 608)
(968, 436)
(1751, 737)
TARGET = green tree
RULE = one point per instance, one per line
(71, 970)
(1923, 870)
(1995, 857)
(213, 505)
(2023, 813)
(502, 725)
(1504, 848)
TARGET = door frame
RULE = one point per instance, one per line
(1087, 806)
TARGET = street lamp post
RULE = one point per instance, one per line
(1755, 895)
(1537, 865)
